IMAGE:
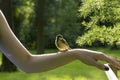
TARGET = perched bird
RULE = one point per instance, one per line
(61, 43)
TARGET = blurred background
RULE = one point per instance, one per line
(92, 24)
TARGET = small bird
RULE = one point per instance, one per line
(61, 43)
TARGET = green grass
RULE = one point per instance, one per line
(73, 71)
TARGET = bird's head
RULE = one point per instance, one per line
(59, 36)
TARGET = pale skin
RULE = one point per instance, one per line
(22, 58)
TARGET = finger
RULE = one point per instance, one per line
(99, 65)
(111, 60)
(115, 64)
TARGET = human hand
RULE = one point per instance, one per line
(90, 57)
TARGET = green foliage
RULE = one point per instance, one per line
(62, 19)
(24, 20)
(101, 20)
(102, 34)
(96, 22)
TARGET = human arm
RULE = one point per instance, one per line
(89, 57)
(22, 58)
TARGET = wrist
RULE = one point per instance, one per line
(75, 53)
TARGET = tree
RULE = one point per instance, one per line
(101, 20)
(24, 18)
(6, 7)
(62, 18)
(40, 25)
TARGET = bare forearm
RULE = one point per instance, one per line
(45, 62)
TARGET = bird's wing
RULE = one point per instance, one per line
(65, 42)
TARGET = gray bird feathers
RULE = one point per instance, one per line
(61, 43)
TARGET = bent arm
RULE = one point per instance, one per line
(21, 57)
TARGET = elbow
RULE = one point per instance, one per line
(31, 65)
(31, 70)
(28, 66)
(26, 69)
